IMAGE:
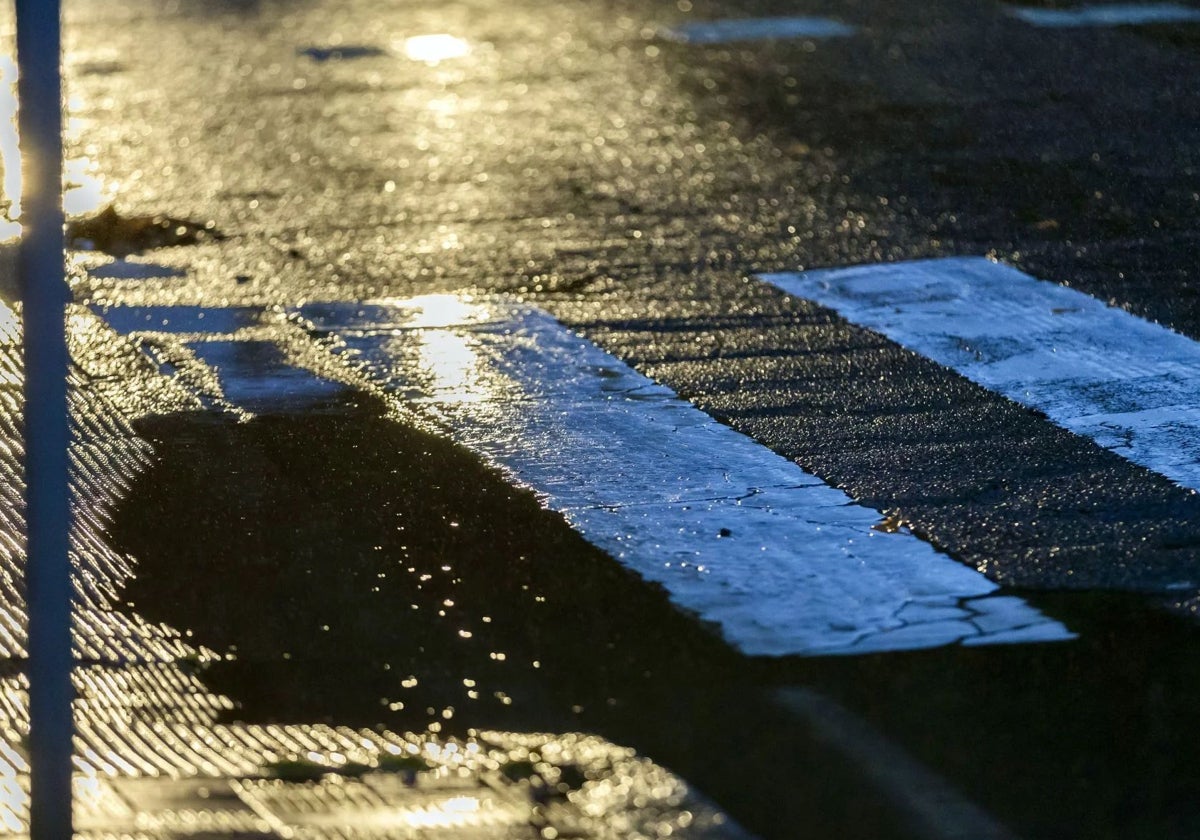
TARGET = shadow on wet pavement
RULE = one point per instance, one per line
(370, 574)
(366, 573)
(1091, 738)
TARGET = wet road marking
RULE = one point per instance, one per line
(1107, 15)
(738, 535)
(1098, 371)
(756, 29)
(151, 754)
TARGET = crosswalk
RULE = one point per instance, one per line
(740, 537)
(1096, 370)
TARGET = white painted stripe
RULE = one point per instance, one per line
(756, 29)
(1130, 385)
(736, 534)
(1108, 15)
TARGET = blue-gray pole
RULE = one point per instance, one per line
(44, 292)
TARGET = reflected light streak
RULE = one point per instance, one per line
(432, 49)
(14, 809)
(456, 372)
(9, 327)
(83, 191)
(458, 811)
(10, 153)
(442, 311)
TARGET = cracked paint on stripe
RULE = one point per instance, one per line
(1130, 385)
(738, 535)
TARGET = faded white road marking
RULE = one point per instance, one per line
(783, 563)
(736, 534)
(1132, 386)
(756, 29)
(1106, 15)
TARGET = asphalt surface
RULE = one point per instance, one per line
(632, 185)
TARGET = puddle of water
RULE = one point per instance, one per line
(181, 319)
(757, 29)
(409, 583)
(256, 376)
(1107, 15)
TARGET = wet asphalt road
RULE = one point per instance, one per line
(631, 185)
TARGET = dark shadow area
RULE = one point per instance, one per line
(1095, 738)
(354, 564)
(365, 573)
(346, 555)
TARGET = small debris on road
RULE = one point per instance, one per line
(120, 236)
(340, 53)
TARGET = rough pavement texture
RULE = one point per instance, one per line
(633, 184)
(154, 755)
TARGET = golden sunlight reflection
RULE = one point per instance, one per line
(14, 808)
(10, 154)
(456, 372)
(83, 190)
(456, 811)
(441, 311)
(435, 48)
(445, 354)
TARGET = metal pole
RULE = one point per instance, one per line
(47, 424)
